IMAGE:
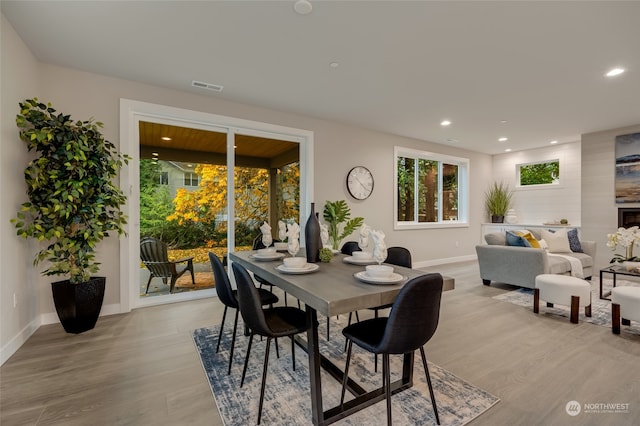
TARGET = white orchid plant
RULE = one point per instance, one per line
(627, 238)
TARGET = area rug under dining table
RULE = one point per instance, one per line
(287, 397)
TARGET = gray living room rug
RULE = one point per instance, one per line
(287, 398)
(600, 309)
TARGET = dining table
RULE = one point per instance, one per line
(331, 289)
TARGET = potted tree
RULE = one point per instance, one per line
(336, 213)
(498, 200)
(73, 205)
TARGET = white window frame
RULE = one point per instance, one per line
(463, 189)
(542, 185)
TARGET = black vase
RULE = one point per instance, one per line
(497, 219)
(78, 305)
(312, 236)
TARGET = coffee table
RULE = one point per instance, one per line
(614, 270)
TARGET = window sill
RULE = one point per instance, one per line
(431, 225)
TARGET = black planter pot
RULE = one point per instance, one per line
(497, 219)
(78, 305)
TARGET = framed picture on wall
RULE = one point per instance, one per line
(628, 168)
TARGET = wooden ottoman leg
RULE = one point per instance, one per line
(549, 305)
(587, 311)
(615, 318)
(536, 300)
(625, 321)
(575, 307)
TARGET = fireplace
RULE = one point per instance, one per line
(628, 217)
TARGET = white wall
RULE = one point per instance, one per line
(19, 80)
(535, 206)
(599, 208)
(337, 148)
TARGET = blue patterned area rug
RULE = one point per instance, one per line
(287, 397)
(600, 309)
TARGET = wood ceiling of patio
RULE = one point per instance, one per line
(203, 146)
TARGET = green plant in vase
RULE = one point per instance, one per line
(335, 214)
(498, 200)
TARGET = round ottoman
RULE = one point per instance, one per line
(625, 306)
(563, 290)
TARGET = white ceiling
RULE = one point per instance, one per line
(403, 66)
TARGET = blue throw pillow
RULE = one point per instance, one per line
(574, 241)
(516, 240)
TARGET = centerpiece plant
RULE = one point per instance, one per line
(335, 214)
(627, 238)
(73, 201)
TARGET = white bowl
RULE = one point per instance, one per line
(379, 271)
(362, 255)
(280, 246)
(267, 250)
(295, 262)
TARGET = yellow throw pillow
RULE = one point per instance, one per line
(530, 238)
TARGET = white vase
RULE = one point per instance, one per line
(511, 216)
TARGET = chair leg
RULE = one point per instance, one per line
(246, 359)
(277, 349)
(149, 282)
(293, 353)
(233, 341)
(328, 329)
(375, 362)
(346, 371)
(193, 277)
(387, 385)
(285, 298)
(224, 315)
(264, 378)
(426, 371)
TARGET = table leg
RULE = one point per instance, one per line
(317, 413)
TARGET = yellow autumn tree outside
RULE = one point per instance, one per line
(252, 195)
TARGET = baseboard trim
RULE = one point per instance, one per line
(52, 317)
(433, 262)
(18, 340)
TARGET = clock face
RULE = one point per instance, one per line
(360, 182)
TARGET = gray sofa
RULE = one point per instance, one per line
(520, 265)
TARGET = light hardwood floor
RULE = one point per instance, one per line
(142, 368)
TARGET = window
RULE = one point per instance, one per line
(431, 189)
(190, 179)
(542, 173)
(164, 178)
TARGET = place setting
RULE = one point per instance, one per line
(294, 264)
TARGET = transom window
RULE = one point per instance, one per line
(431, 189)
(540, 173)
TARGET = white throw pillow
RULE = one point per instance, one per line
(558, 241)
(543, 244)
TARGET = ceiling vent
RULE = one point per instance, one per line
(208, 86)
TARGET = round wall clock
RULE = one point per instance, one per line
(360, 182)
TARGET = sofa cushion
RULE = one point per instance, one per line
(558, 265)
(516, 240)
(496, 239)
(558, 242)
(574, 241)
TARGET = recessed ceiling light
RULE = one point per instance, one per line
(503, 121)
(445, 122)
(452, 140)
(553, 142)
(503, 139)
(507, 150)
(165, 138)
(155, 154)
(334, 64)
(189, 165)
(302, 7)
(615, 71)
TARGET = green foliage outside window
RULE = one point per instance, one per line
(540, 174)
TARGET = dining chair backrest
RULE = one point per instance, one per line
(257, 242)
(249, 301)
(349, 247)
(222, 283)
(399, 256)
(414, 316)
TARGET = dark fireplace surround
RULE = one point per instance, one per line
(628, 217)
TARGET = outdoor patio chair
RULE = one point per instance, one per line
(153, 253)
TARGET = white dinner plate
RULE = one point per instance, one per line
(354, 261)
(365, 278)
(267, 256)
(309, 267)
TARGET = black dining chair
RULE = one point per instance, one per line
(229, 298)
(349, 247)
(281, 321)
(411, 323)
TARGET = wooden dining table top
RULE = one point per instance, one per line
(332, 289)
